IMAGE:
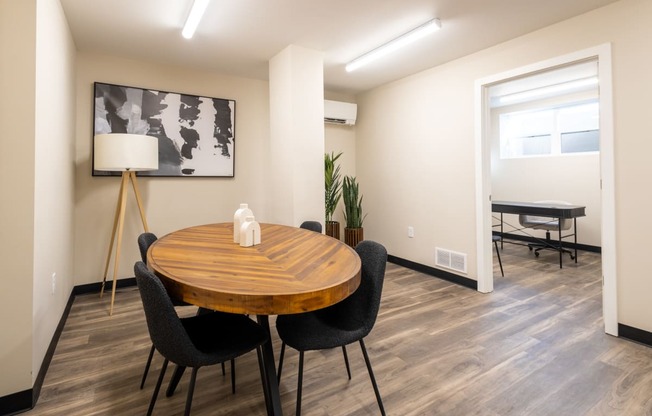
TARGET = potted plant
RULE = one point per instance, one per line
(353, 231)
(333, 192)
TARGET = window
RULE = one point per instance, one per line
(551, 131)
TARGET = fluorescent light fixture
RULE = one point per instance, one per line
(393, 45)
(551, 89)
(196, 13)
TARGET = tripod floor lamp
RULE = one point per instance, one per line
(126, 153)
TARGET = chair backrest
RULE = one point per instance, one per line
(165, 328)
(361, 308)
(546, 223)
(144, 241)
(311, 225)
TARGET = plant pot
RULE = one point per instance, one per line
(352, 236)
(333, 229)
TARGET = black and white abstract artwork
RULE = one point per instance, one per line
(195, 134)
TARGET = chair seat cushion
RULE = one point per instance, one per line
(318, 330)
(232, 336)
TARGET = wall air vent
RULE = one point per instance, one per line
(450, 259)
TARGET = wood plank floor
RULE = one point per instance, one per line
(535, 346)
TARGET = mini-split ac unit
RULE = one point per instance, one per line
(338, 112)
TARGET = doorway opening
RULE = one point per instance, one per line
(600, 58)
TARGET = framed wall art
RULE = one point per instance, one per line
(195, 134)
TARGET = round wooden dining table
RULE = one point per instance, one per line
(291, 271)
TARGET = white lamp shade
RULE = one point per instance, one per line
(120, 152)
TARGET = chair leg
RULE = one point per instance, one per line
(300, 383)
(149, 361)
(280, 363)
(174, 380)
(371, 376)
(232, 375)
(346, 361)
(191, 390)
(499, 261)
(157, 388)
(223, 369)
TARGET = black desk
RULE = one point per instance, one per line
(542, 209)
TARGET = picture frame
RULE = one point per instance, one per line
(196, 134)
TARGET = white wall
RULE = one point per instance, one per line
(54, 174)
(36, 177)
(419, 170)
(296, 80)
(17, 73)
(170, 203)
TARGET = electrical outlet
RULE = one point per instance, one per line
(411, 232)
(54, 282)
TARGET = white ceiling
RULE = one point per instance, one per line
(240, 36)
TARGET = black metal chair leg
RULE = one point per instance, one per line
(373, 379)
(232, 375)
(300, 384)
(149, 361)
(280, 363)
(157, 388)
(223, 369)
(500, 262)
(191, 390)
(346, 361)
(174, 380)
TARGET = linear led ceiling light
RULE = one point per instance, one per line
(196, 13)
(393, 45)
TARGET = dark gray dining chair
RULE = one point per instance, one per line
(194, 342)
(341, 324)
(311, 225)
(145, 240)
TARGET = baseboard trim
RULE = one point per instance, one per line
(432, 271)
(96, 287)
(15, 403)
(635, 334)
(25, 400)
(38, 383)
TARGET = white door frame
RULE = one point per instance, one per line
(483, 174)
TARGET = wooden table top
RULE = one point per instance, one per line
(293, 270)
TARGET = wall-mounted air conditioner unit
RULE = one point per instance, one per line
(338, 112)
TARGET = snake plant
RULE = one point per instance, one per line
(352, 203)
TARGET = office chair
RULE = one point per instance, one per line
(201, 340)
(311, 225)
(144, 241)
(341, 324)
(548, 224)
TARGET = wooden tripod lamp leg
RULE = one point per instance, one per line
(118, 227)
(132, 175)
(115, 227)
(121, 223)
